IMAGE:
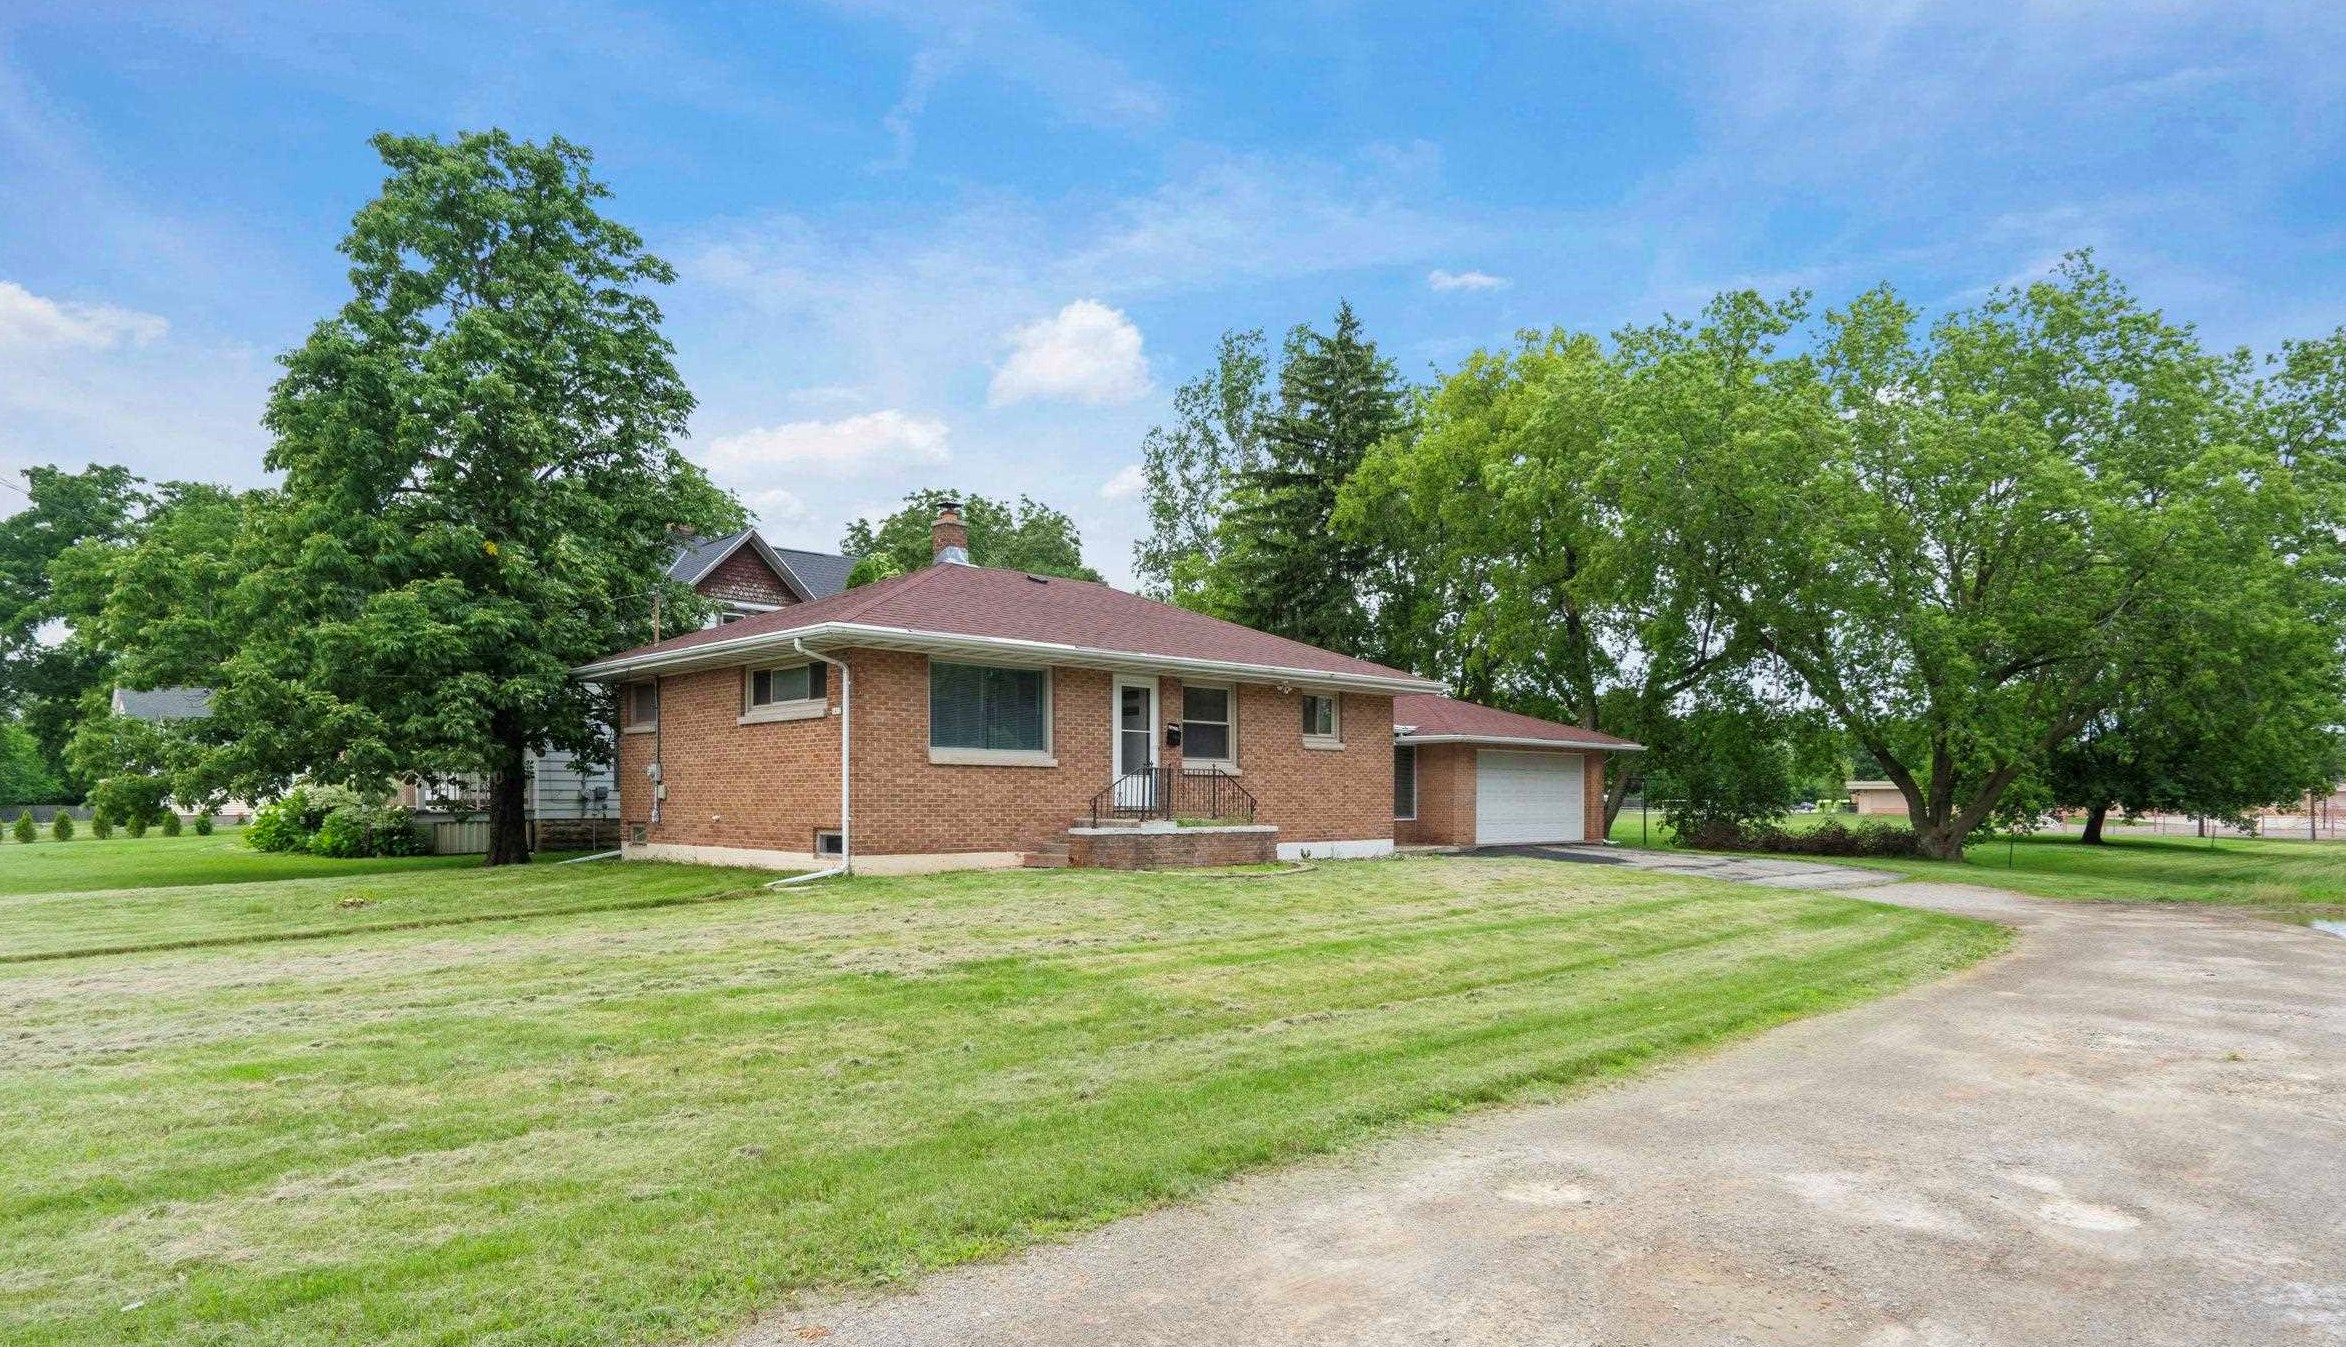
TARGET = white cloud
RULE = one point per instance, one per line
(1088, 352)
(842, 448)
(1127, 483)
(775, 506)
(27, 321)
(1464, 280)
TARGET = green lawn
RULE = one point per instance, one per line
(2299, 881)
(644, 1126)
(86, 863)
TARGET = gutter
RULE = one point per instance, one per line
(716, 653)
(846, 865)
(1511, 741)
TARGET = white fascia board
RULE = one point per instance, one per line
(1506, 741)
(835, 635)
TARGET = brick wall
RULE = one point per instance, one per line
(767, 787)
(1165, 850)
(770, 786)
(746, 577)
(1445, 796)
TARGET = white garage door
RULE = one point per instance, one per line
(1528, 797)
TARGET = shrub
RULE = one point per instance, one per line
(203, 824)
(277, 826)
(334, 821)
(61, 827)
(135, 826)
(171, 823)
(101, 827)
(1831, 839)
(25, 830)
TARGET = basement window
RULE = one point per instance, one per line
(828, 842)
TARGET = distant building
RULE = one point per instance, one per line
(1876, 797)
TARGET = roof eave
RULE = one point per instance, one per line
(1520, 741)
(717, 654)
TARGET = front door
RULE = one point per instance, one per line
(1136, 743)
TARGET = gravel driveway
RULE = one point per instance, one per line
(2132, 1130)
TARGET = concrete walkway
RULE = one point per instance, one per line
(2130, 1130)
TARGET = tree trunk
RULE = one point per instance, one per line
(1940, 842)
(508, 823)
(2094, 814)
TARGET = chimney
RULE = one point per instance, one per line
(949, 537)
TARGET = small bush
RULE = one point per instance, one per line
(101, 827)
(277, 826)
(1833, 838)
(135, 826)
(25, 830)
(61, 827)
(171, 823)
(333, 821)
(203, 824)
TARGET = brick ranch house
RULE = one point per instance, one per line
(990, 718)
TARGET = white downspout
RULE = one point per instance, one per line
(846, 863)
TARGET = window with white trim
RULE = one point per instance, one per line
(1209, 725)
(643, 705)
(981, 707)
(1320, 719)
(1404, 781)
(790, 683)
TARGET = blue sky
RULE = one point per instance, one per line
(978, 245)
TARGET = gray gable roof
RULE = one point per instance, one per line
(818, 575)
(822, 573)
(697, 555)
(163, 703)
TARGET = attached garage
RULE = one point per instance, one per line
(1468, 775)
(1529, 797)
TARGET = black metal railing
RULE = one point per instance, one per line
(1172, 793)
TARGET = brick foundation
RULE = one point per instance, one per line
(1165, 849)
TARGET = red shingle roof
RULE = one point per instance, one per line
(996, 605)
(1430, 717)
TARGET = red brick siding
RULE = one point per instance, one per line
(771, 786)
(1445, 795)
(1183, 846)
(745, 577)
(767, 787)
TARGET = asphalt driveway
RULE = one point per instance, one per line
(2132, 1129)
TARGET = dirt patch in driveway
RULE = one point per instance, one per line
(2130, 1130)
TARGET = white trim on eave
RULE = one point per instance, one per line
(836, 635)
(1509, 741)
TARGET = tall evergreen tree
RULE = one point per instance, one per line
(1284, 568)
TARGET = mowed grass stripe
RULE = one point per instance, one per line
(640, 1127)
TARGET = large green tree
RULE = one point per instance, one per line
(1189, 467)
(480, 488)
(1283, 567)
(1504, 561)
(1026, 536)
(47, 671)
(1965, 543)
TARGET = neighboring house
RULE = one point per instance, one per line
(165, 705)
(746, 576)
(1469, 775)
(1876, 797)
(995, 718)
